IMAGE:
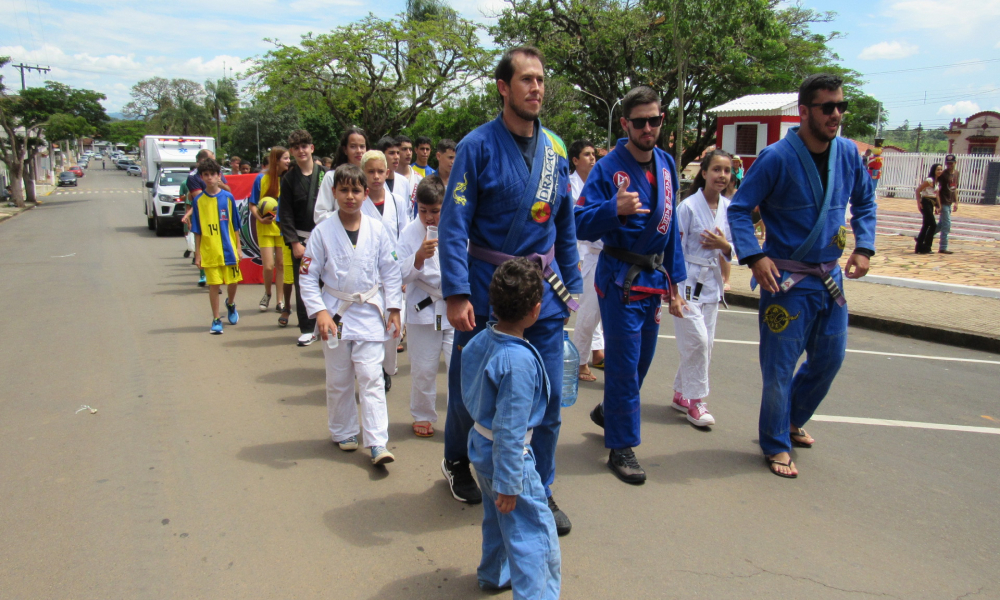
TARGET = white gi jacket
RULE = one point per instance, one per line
(589, 251)
(393, 216)
(694, 217)
(422, 283)
(357, 271)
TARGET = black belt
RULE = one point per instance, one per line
(639, 262)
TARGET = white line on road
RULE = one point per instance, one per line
(912, 424)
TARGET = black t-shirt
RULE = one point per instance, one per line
(822, 160)
(353, 236)
(647, 168)
(380, 206)
(389, 183)
(527, 146)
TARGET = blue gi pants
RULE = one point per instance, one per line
(792, 322)
(630, 332)
(547, 337)
(520, 548)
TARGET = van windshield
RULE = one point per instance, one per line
(173, 177)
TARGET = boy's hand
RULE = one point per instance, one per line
(267, 220)
(325, 324)
(394, 322)
(506, 503)
(298, 250)
(427, 249)
(197, 259)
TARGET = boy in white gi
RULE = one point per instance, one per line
(427, 325)
(704, 227)
(506, 390)
(353, 255)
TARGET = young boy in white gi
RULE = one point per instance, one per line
(506, 390)
(427, 325)
(704, 227)
(353, 255)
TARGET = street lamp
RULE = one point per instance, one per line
(610, 111)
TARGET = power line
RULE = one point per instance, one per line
(959, 64)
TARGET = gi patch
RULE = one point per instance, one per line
(659, 311)
(459, 194)
(394, 257)
(621, 178)
(840, 238)
(541, 211)
(547, 186)
(777, 319)
(668, 204)
(304, 267)
(581, 201)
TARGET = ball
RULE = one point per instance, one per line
(267, 206)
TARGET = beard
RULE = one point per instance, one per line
(818, 130)
(634, 137)
(523, 112)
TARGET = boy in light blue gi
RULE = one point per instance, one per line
(506, 390)
(803, 185)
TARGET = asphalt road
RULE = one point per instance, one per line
(207, 471)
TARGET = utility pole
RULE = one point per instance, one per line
(24, 68)
(919, 129)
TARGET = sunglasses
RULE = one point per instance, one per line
(827, 107)
(640, 123)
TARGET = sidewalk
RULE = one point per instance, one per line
(8, 211)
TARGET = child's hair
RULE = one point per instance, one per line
(273, 177)
(575, 149)
(371, 155)
(430, 190)
(386, 142)
(421, 140)
(699, 180)
(515, 289)
(401, 139)
(235, 158)
(299, 137)
(208, 165)
(344, 139)
(446, 145)
(349, 174)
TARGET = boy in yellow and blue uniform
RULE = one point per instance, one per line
(216, 225)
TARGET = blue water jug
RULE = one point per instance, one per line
(571, 371)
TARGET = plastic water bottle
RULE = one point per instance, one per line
(571, 371)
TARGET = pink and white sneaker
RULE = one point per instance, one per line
(680, 403)
(698, 414)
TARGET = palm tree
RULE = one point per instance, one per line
(222, 99)
(186, 117)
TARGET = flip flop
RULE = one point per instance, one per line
(283, 319)
(598, 365)
(424, 431)
(801, 434)
(587, 376)
(770, 465)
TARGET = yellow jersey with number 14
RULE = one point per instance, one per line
(216, 219)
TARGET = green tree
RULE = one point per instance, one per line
(13, 145)
(185, 117)
(377, 74)
(221, 99)
(62, 127)
(455, 118)
(129, 133)
(265, 119)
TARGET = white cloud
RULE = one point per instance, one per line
(888, 51)
(962, 108)
(946, 17)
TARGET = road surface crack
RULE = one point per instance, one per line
(761, 571)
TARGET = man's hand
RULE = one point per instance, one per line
(298, 250)
(325, 325)
(767, 274)
(460, 313)
(394, 324)
(954, 207)
(506, 503)
(629, 203)
(857, 266)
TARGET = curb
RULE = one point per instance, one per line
(900, 327)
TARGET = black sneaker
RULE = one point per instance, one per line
(624, 464)
(187, 254)
(945, 252)
(463, 487)
(563, 526)
(388, 381)
(597, 415)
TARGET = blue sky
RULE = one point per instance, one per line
(110, 46)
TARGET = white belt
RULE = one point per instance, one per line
(709, 266)
(434, 293)
(303, 234)
(486, 433)
(354, 298)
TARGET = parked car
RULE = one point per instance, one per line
(66, 178)
(76, 171)
(134, 170)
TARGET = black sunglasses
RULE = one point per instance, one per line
(640, 123)
(827, 107)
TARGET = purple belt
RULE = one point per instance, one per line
(800, 270)
(497, 258)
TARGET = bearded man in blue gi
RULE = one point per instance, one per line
(628, 203)
(802, 185)
(508, 195)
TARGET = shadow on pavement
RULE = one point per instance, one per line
(403, 431)
(140, 230)
(371, 521)
(303, 377)
(187, 329)
(692, 465)
(282, 455)
(436, 584)
(313, 398)
(184, 291)
(259, 342)
(62, 203)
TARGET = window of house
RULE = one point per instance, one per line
(746, 139)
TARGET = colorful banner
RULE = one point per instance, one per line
(250, 264)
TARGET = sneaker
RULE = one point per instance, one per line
(381, 456)
(187, 254)
(265, 302)
(624, 464)
(463, 487)
(307, 338)
(348, 445)
(945, 252)
(201, 280)
(388, 381)
(279, 307)
(698, 414)
(563, 526)
(216, 327)
(680, 403)
(597, 415)
(234, 317)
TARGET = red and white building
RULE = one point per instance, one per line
(980, 134)
(747, 125)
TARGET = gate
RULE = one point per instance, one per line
(902, 172)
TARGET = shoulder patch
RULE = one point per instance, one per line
(558, 145)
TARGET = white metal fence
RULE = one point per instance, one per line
(903, 172)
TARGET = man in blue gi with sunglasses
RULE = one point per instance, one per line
(803, 185)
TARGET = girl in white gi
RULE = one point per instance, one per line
(704, 229)
(588, 336)
(353, 255)
(427, 325)
(353, 145)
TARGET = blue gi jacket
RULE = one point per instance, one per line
(653, 233)
(786, 185)
(505, 388)
(493, 201)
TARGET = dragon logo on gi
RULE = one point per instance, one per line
(777, 318)
(839, 239)
(459, 193)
